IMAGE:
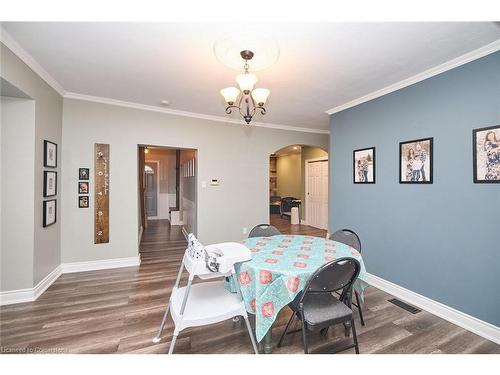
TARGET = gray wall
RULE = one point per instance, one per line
(48, 125)
(237, 155)
(17, 189)
(440, 240)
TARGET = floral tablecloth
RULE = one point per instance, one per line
(279, 269)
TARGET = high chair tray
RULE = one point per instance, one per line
(208, 303)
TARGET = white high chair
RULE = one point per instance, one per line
(208, 302)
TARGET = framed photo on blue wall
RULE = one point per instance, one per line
(363, 169)
(486, 154)
(415, 161)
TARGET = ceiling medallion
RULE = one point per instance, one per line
(249, 100)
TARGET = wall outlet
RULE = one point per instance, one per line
(245, 230)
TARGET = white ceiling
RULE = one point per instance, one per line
(321, 65)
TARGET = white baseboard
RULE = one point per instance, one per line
(95, 265)
(468, 322)
(31, 294)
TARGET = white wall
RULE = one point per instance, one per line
(237, 155)
(17, 190)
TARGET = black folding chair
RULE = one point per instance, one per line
(263, 230)
(318, 308)
(350, 238)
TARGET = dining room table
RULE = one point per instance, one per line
(280, 268)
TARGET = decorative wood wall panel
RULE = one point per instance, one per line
(101, 193)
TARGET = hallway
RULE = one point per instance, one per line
(159, 240)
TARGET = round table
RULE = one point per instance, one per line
(279, 269)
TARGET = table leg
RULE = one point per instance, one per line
(267, 342)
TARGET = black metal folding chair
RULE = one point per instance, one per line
(263, 230)
(318, 308)
(350, 238)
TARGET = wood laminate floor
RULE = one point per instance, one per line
(119, 311)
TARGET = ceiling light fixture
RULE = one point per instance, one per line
(249, 99)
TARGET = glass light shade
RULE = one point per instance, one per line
(246, 81)
(230, 94)
(260, 96)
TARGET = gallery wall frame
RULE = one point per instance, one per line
(49, 154)
(486, 155)
(363, 168)
(49, 184)
(412, 169)
(49, 212)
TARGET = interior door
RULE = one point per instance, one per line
(151, 172)
(317, 194)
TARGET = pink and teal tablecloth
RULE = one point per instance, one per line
(279, 269)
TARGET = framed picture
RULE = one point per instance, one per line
(83, 187)
(49, 154)
(83, 173)
(363, 170)
(49, 212)
(486, 154)
(83, 201)
(415, 161)
(49, 183)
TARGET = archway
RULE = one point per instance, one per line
(298, 177)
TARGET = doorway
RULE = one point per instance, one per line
(298, 186)
(167, 189)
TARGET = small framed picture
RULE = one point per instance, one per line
(83, 173)
(83, 187)
(49, 154)
(363, 171)
(486, 154)
(49, 212)
(415, 161)
(49, 183)
(83, 201)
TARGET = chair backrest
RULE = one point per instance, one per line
(348, 237)
(332, 276)
(263, 230)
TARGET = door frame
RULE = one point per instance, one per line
(306, 185)
(157, 189)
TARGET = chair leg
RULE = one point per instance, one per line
(304, 338)
(158, 335)
(172, 344)
(355, 337)
(250, 332)
(286, 329)
(360, 309)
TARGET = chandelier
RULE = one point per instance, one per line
(249, 100)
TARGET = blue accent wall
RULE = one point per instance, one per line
(441, 240)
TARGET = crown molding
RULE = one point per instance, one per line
(20, 52)
(176, 112)
(451, 64)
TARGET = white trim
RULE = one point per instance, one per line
(25, 57)
(451, 64)
(468, 322)
(29, 294)
(103, 264)
(152, 108)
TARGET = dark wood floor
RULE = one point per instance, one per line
(118, 311)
